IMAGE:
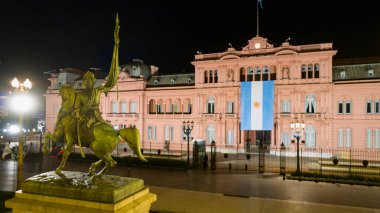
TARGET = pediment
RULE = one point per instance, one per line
(229, 56)
(286, 52)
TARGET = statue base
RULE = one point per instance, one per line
(75, 192)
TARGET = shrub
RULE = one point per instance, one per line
(335, 161)
(365, 163)
(248, 156)
(225, 155)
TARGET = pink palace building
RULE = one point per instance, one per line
(338, 101)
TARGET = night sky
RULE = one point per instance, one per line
(41, 35)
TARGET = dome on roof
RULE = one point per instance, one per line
(136, 68)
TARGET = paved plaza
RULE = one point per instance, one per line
(221, 190)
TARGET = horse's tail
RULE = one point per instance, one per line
(132, 136)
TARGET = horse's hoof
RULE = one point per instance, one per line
(58, 171)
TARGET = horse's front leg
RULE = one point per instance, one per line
(109, 164)
(91, 171)
(66, 152)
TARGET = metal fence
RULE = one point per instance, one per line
(323, 161)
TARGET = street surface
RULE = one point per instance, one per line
(237, 184)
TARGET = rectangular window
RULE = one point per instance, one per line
(369, 138)
(230, 107)
(340, 107)
(210, 107)
(340, 137)
(152, 133)
(369, 106)
(348, 107)
(285, 106)
(150, 129)
(133, 108)
(285, 138)
(377, 138)
(168, 133)
(348, 137)
(230, 137)
(377, 106)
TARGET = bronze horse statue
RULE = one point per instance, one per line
(79, 120)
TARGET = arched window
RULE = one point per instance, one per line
(310, 137)
(316, 70)
(310, 104)
(250, 74)
(272, 72)
(152, 106)
(210, 133)
(310, 71)
(177, 105)
(257, 73)
(303, 71)
(114, 107)
(132, 106)
(159, 106)
(210, 76)
(210, 105)
(265, 73)
(242, 74)
(187, 106)
(206, 77)
(172, 81)
(169, 106)
(216, 76)
(123, 107)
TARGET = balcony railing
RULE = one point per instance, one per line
(122, 115)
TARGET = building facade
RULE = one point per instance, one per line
(340, 104)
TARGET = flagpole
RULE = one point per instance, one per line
(257, 19)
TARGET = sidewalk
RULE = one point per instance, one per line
(177, 200)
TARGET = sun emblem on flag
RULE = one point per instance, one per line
(256, 104)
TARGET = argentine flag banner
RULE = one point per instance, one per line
(257, 102)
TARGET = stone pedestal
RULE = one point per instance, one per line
(75, 192)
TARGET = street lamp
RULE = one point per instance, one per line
(187, 128)
(297, 130)
(21, 103)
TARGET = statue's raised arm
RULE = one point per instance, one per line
(114, 69)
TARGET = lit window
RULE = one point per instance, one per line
(285, 106)
(310, 104)
(230, 107)
(342, 74)
(210, 105)
(370, 73)
(230, 137)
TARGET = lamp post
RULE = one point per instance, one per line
(297, 130)
(21, 103)
(187, 128)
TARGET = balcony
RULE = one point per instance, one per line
(122, 115)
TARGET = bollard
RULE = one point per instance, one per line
(213, 155)
(282, 160)
(246, 167)
(229, 166)
(261, 158)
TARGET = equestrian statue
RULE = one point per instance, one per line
(79, 121)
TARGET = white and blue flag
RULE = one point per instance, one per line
(257, 102)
